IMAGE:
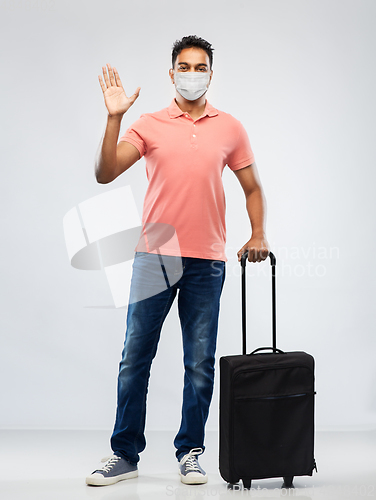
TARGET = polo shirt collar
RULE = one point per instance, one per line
(174, 111)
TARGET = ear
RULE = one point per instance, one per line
(171, 73)
(211, 76)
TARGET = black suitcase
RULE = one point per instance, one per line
(266, 409)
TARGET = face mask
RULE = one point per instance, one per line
(191, 85)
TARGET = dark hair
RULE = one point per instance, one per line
(191, 41)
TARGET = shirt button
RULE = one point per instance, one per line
(193, 135)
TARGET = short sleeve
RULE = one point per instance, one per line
(136, 134)
(242, 155)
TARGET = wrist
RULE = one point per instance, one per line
(115, 118)
(258, 234)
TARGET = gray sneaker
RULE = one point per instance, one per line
(190, 470)
(115, 469)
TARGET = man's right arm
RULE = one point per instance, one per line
(113, 159)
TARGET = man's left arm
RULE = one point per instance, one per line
(257, 245)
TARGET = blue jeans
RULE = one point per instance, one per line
(200, 283)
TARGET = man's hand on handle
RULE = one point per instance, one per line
(115, 98)
(258, 249)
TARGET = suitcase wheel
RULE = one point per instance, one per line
(233, 486)
(287, 482)
(247, 483)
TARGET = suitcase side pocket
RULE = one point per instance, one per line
(273, 417)
(273, 435)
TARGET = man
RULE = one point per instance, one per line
(186, 147)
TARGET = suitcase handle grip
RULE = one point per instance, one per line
(273, 260)
(274, 349)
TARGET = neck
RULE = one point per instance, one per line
(194, 108)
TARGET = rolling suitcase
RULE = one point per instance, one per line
(266, 409)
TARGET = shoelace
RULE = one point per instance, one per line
(190, 460)
(111, 461)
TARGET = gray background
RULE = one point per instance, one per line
(300, 75)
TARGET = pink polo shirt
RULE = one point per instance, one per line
(185, 159)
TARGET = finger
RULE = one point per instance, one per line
(264, 253)
(105, 76)
(103, 86)
(135, 95)
(111, 73)
(240, 253)
(252, 257)
(117, 78)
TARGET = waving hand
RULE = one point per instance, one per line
(115, 98)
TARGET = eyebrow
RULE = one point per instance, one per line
(200, 64)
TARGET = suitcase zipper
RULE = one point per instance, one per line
(277, 397)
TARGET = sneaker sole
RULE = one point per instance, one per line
(193, 479)
(99, 480)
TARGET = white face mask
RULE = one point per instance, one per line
(191, 85)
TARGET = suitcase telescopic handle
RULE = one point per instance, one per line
(273, 261)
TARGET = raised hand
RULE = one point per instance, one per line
(116, 101)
